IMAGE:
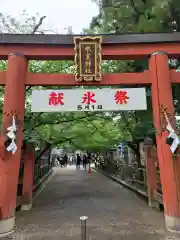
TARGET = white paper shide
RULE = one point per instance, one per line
(172, 135)
(11, 135)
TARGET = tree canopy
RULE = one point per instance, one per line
(140, 16)
(85, 131)
(97, 131)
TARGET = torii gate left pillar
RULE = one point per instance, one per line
(14, 105)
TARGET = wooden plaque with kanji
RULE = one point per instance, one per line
(87, 58)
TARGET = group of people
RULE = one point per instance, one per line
(79, 159)
(62, 161)
(84, 158)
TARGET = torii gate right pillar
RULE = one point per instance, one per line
(169, 165)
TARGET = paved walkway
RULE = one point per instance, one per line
(114, 212)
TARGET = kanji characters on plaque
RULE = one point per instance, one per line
(89, 102)
(121, 97)
(88, 98)
(56, 98)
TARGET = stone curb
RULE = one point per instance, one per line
(42, 184)
(41, 181)
(134, 189)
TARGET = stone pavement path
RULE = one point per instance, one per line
(114, 212)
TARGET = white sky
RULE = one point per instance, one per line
(60, 13)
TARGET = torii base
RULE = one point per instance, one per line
(26, 207)
(7, 227)
(172, 224)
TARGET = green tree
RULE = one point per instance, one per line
(137, 16)
(92, 131)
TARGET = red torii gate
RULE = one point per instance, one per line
(18, 49)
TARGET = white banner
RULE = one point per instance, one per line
(105, 99)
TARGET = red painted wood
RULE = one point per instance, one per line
(162, 95)
(28, 177)
(174, 76)
(39, 79)
(16, 78)
(14, 102)
(2, 77)
(109, 52)
(151, 172)
(69, 79)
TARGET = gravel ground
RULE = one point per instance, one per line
(113, 211)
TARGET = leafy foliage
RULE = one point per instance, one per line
(137, 16)
(97, 131)
(93, 131)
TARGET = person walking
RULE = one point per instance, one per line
(89, 161)
(89, 158)
(56, 162)
(84, 161)
(78, 161)
(65, 159)
(70, 160)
